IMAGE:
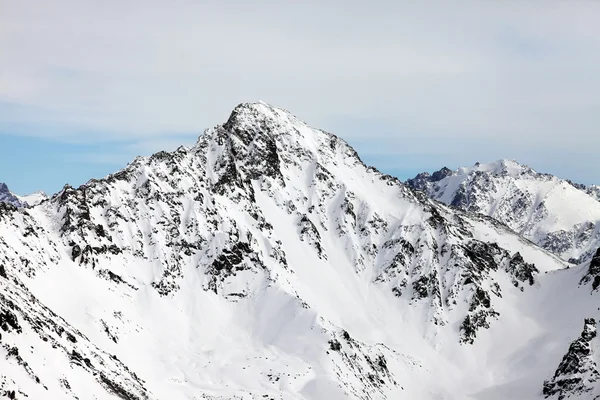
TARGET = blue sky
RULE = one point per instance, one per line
(30, 163)
(86, 86)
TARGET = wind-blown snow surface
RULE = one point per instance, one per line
(267, 261)
(557, 214)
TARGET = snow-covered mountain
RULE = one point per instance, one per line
(6, 196)
(268, 262)
(556, 214)
(34, 198)
(592, 190)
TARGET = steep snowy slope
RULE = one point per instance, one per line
(594, 191)
(267, 261)
(558, 215)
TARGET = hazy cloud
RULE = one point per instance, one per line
(410, 76)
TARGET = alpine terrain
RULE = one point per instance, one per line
(6, 196)
(268, 261)
(559, 215)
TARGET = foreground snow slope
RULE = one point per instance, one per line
(267, 261)
(557, 214)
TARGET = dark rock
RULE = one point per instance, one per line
(335, 345)
(577, 372)
(593, 273)
(9, 321)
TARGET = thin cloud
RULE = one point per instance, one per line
(104, 71)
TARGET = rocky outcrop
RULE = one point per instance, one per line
(577, 374)
(593, 272)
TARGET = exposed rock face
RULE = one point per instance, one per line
(594, 191)
(7, 197)
(577, 374)
(266, 261)
(556, 214)
(593, 273)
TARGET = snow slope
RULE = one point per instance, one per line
(556, 214)
(267, 261)
(594, 191)
(33, 199)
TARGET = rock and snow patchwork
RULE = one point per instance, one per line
(38, 346)
(267, 261)
(556, 214)
(593, 272)
(577, 374)
(594, 191)
(6, 196)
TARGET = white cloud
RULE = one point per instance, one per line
(106, 70)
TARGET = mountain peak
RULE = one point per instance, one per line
(498, 167)
(258, 117)
(6, 196)
(539, 206)
(266, 262)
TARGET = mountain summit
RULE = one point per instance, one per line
(557, 214)
(268, 261)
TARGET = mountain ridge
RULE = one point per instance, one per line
(6, 196)
(556, 214)
(268, 261)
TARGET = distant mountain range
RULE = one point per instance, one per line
(554, 213)
(6, 196)
(268, 261)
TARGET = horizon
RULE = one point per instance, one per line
(100, 169)
(86, 87)
(368, 159)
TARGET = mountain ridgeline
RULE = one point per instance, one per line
(6, 196)
(268, 261)
(557, 214)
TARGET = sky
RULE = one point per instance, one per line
(85, 86)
